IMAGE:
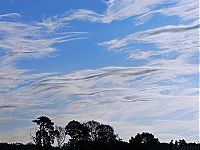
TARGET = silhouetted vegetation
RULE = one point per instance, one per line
(44, 136)
(91, 135)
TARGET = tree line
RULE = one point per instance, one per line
(91, 135)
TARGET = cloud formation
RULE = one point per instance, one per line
(160, 96)
(140, 10)
(171, 43)
(20, 40)
(116, 95)
(6, 106)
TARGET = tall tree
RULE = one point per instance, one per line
(136, 140)
(149, 138)
(145, 138)
(105, 133)
(45, 133)
(182, 142)
(77, 131)
(92, 125)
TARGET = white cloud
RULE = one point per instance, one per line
(113, 95)
(185, 9)
(109, 92)
(19, 40)
(10, 16)
(84, 15)
(120, 9)
(116, 10)
(173, 45)
(142, 10)
(152, 34)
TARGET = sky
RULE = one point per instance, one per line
(132, 64)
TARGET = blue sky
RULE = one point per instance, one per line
(128, 63)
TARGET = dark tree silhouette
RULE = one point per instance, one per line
(147, 141)
(92, 125)
(182, 142)
(136, 140)
(144, 138)
(92, 135)
(148, 138)
(45, 133)
(78, 133)
(105, 133)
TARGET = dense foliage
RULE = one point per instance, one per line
(91, 135)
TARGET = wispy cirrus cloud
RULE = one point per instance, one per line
(10, 16)
(116, 10)
(174, 52)
(6, 106)
(186, 10)
(78, 95)
(171, 43)
(141, 10)
(20, 39)
(120, 96)
(118, 43)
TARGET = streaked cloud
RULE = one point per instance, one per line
(19, 40)
(128, 91)
(159, 96)
(141, 10)
(145, 36)
(6, 106)
(173, 46)
(10, 16)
